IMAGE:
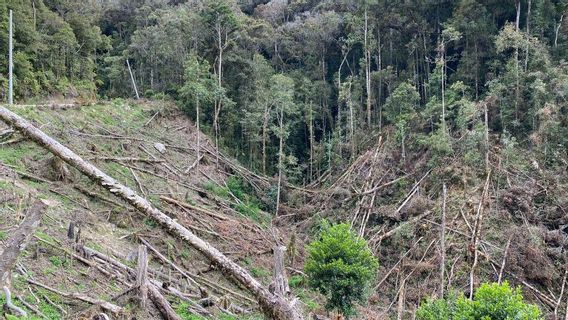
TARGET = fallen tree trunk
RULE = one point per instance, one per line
(16, 244)
(161, 303)
(273, 306)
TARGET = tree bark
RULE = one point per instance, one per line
(132, 79)
(273, 306)
(443, 242)
(367, 68)
(529, 5)
(279, 280)
(265, 137)
(162, 304)
(17, 243)
(142, 275)
(557, 31)
(280, 155)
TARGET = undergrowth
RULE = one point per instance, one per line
(248, 204)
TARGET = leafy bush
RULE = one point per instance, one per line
(341, 266)
(491, 302)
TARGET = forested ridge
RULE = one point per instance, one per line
(427, 141)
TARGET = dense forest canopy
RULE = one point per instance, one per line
(318, 76)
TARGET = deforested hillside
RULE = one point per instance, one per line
(87, 241)
(284, 159)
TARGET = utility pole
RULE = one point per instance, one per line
(10, 64)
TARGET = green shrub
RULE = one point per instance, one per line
(341, 266)
(491, 302)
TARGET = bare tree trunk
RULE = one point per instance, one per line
(558, 30)
(443, 83)
(218, 102)
(280, 156)
(518, 20)
(198, 133)
(443, 242)
(475, 236)
(379, 68)
(132, 79)
(528, 34)
(504, 261)
(15, 245)
(280, 281)
(400, 305)
(312, 141)
(273, 306)
(517, 89)
(367, 68)
(486, 137)
(10, 61)
(264, 137)
(351, 121)
(168, 313)
(142, 275)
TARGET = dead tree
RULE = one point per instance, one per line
(279, 280)
(16, 244)
(273, 306)
(142, 275)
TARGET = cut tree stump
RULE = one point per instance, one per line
(142, 275)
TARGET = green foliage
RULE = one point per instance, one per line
(182, 310)
(248, 204)
(296, 281)
(341, 266)
(491, 301)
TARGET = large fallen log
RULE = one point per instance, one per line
(273, 306)
(16, 244)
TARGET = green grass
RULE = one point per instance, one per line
(14, 154)
(305, 296)
(249, 205)
(259, 272)
(46, 308)
(182, 310)
(296, 281)
(3, 235)
(57, 261)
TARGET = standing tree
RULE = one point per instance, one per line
(221, 20)
(282, 96)
(341, 266)
(257, 107)
(400, 108)
(199, 89)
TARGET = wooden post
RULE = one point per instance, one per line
(132, 78)
(142, 275)
(10, 62)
